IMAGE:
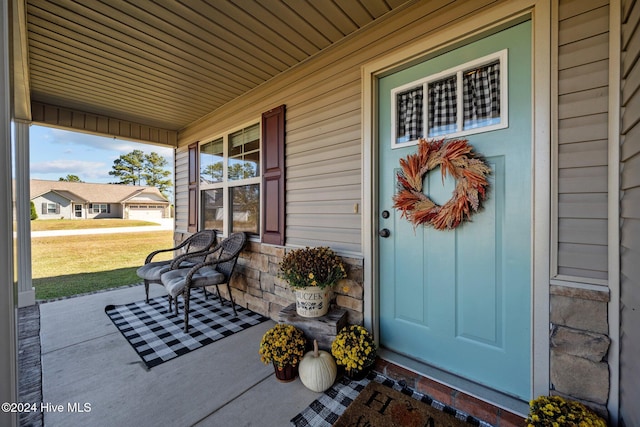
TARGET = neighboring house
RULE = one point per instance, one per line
(80, 200)
(539, 294)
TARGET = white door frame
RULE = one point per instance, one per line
(492, 19)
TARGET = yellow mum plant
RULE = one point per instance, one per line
(282, 345)
(306, 267)
(555, 411)
(354, 348)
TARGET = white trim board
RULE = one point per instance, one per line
(615, 24)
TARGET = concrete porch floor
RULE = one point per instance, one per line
(85, 359)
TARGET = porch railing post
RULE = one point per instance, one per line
(26, 291)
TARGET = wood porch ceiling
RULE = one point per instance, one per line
(167, 63)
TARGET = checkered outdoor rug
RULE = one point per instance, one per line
(325, 410)
(158, 336)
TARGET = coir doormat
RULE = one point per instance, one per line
(157, 336)
(381, 406)
(330, 405)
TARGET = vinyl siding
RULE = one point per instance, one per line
(323, 124)
(630, 216)
(582, 139)
(49, 115)
(64, 205)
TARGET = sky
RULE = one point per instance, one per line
(56, 153)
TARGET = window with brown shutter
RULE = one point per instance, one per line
(232, 173)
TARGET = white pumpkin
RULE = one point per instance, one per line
(317, 369)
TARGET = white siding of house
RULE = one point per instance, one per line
(115, 211)
(323, 126)
(582, 139)
(630, 217)
(66, 207)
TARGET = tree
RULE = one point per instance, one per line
(71, 178)
(155, 174)
(242, 170)
(34, 214)
(214, 171)
(135, 167)
(129, 167)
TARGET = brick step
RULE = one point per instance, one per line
(480, 409)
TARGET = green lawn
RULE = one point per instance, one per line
(69, 265)
(78, 224)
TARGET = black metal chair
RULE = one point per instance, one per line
(216, 270)
(193, 250)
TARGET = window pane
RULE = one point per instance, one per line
(212, 209)
(443, 106)
(481, 96)
(211, 161)
(244, 153)
(245, 208)
(409, 110)
(226, 161)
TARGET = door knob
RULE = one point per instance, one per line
(384, 233)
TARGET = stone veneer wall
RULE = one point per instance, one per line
(256, 285)
(579, 345)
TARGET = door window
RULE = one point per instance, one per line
(467, 99)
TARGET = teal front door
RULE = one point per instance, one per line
(460, 300)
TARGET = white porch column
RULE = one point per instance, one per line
(8, 349)
(26, 291)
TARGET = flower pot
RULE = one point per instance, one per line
(287, 373)
(312, 301)
(358, 374)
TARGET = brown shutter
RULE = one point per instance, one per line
(44, 208)
(273, 176)
(192, 225)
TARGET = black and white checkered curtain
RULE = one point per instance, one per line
(481, 94)
(410, 115)
(443, 106)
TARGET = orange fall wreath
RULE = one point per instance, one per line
(455, 158)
